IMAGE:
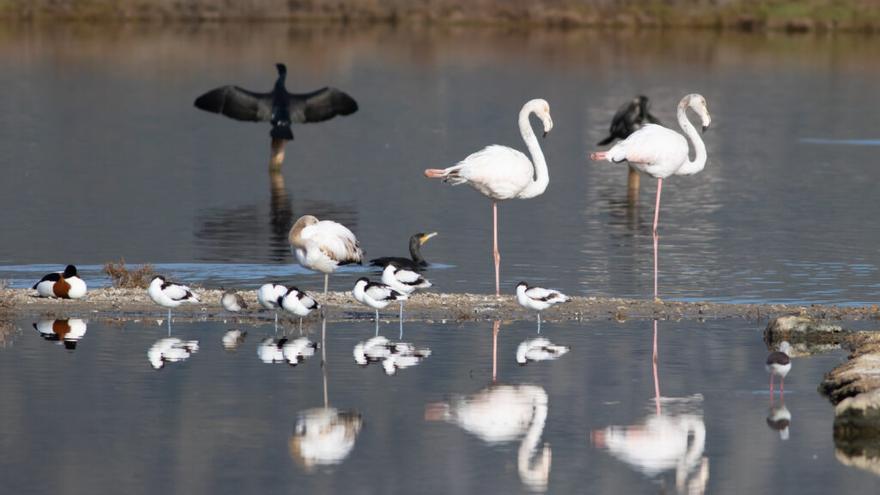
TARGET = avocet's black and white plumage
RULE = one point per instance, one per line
(779, 364)
(416, 261)
(269, 350)
(298, 302)
(233, 338)
(539, 349)
(269, 296)
(375, 295)
(538, 298)
(171, 350)
(392, 355)
(65, 285)
(232, 301)
(323, 245)
(298, 350)
(278, 107)
(404, 281)
(170, 295)
(66, 331)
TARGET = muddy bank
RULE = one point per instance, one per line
(120, 303)
(747, 15)
(854, 386)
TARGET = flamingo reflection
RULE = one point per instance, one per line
(673, 438)
(503, 413)
(324, 435)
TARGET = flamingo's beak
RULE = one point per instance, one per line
(545, 134)
(705, 128)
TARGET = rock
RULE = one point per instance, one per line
(802, 329)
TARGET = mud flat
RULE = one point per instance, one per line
(134, 303)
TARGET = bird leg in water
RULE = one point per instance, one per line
(656, 374)
(377, 323)
(539, 322)
(326, 281)
(300, 325)
(401, 319)
(656, 237)
(169, 322)
(276, 157)
(276, 322)
(495, 252)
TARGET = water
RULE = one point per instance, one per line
(79, 420)
(105, 157)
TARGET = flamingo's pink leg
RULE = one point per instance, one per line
(656, 237)
(495, 252)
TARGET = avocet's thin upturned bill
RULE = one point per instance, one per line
(323, 245)
(375, 295)
(404, 281)
(66, 284)
(500, 173)
(299, 303)
(661, 152)
(232, 301)
(538, 298)
(416, 261)
(779, 364)
(278, 107)
(269, 296)
(170, 295)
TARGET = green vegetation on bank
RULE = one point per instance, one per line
(804, 15)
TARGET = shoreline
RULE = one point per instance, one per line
(741, 15)
(115, 303)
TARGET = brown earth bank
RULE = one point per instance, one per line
(122, 303)
(787, 15)
(853, 387)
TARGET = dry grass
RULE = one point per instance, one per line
(123, 277)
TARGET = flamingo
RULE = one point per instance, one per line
(661, 152)
(323, 245)
(500, 173)
(630, 117)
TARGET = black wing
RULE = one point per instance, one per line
(622, 122)
(320, 105)
(53, 277)
(237, 103)
(401, 262)
(651, 119)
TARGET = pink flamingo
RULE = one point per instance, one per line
(661, 152)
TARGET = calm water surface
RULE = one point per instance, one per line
(99, 415)
(104, 156)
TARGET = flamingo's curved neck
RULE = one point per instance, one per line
(537, 472)
(542, 177)
(699, 161)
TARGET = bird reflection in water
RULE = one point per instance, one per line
(324, 435)
(499, 414)
(66, 332)
(224, 233)
(778, 364)
(171, 350)
(233, 338)
(672, 438)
